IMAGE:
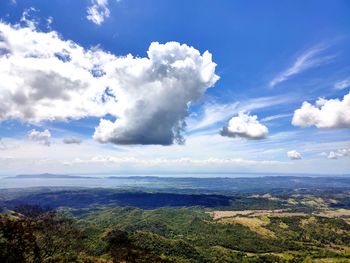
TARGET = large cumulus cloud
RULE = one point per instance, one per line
(333, 113)
(47, 78)
(155, 92)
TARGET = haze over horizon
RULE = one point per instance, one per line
(171, 87)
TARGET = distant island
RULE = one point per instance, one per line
(49, 176)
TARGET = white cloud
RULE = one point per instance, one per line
(156, 93)
(294, 155)
(98, 11)
(342, 84)
(2, 145)
(276, 117)
(245, 126)
(163, 161)
(307, 60)
(46, 78)
(211, 114)
(72, 140)
(41, 137)
(214, 113)
(49, 22)
(225, 155)
(333, 113)
(338, 153)
(27, 18)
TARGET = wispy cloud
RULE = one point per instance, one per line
(276, 117)
(98, 11)
(221, 154)
(211, 114)
(215, 113)
(28, 19)
(342, 84)
(160, 161)
(2, 145)
(337, 153)
(310, 59)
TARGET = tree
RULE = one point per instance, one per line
(17, 241)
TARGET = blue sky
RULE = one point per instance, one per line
(240, 110)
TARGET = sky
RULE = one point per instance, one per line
(170, 87)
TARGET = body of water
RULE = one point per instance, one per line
(186, 181)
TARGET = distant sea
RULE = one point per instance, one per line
(72, 182)
(142, 181)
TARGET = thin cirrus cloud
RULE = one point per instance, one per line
(332, 113)
(245, 126)
(342, 84)
(164, 161)
(47, 78)
(310, 59)
(276, 117)
(215, 113)
(42, 137)
(294, 155)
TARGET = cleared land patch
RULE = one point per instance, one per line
(254, 224)
(254, 213)
(336, 213)
(330, 213)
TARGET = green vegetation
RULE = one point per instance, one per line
(286, 226)
(126, 234)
